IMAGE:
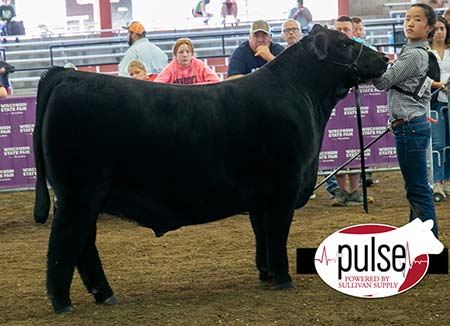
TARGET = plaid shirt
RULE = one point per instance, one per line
(406, 72)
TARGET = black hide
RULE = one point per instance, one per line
(172, 155)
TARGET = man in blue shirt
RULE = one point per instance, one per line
(254, 53)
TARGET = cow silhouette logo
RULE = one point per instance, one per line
(376, 260)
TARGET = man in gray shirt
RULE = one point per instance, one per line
(302, 15)
(142, 49)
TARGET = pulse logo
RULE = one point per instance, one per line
(376, 260)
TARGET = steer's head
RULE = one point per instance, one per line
(354, 62)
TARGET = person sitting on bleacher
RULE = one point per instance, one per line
(302, 15)
(447, 15)
(433, 3)
(199, 10)
(3, 91)
(142, 49)
(291, 32)
(138, 70)
(5, 70)
(185, 68)
(254, 53)
(229, 7)
(7, 12)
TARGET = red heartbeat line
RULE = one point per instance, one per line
(325, 257)
(412, 263)
(408, 260)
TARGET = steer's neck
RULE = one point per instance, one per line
(299, 74)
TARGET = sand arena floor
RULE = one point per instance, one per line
(205, 274)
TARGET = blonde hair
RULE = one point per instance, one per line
(181, 41)
(137, 64)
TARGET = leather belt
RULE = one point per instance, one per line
(398, 122)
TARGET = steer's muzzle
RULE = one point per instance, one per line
(371, 65)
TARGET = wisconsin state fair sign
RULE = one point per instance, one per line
(376, 260)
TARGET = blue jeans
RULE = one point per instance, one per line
(412, 140)
(4, 28)
(332, 185)
(440, 139)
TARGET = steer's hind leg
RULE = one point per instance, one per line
(261, 248)
(91, 271)
(70, 229)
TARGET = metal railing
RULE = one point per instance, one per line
(219, 42)
(61, 51)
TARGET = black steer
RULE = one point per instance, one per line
(168, 156)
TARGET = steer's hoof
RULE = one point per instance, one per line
(111, 301)
(265, 276)
(65, 310)
(284, 286)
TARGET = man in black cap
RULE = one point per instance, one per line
(254, 53)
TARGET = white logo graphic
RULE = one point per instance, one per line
(376, 260)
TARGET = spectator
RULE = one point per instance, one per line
(3, 91)
(358, 27)
(302, 15)
(70, 65)
(254, 53)
(447, 15)
(229, 7)
(199, 10)
(185, 68)
(440, 131)
(344, 24)
(408, 108)
(342, 196)
(7, 12)
(291, 32)
(358, 32)
(142, 49)
(5, 70)
(137, 70)
(435, 4)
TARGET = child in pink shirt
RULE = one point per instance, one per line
(185, 68)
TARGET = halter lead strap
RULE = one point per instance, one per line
(352, 66)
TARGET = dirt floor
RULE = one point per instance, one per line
(205, 275)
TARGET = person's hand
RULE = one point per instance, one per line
(299, 11)
(2, 70)
(263, 51)
(444, 87)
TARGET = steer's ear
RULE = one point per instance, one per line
(316, 28)
(318, 45)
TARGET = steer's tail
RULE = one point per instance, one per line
(42, 197)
